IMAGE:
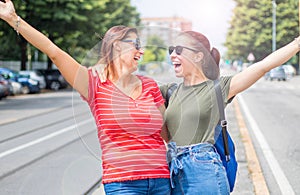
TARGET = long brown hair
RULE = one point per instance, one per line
(112, 35)
(210, 63)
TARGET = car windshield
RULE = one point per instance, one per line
(24, 76)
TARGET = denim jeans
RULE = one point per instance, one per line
(196, 169)
(159, 186)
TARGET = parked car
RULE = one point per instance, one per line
(35, 75)
(16, 88)
(54, 79)
(28, 85)
(4, 87)
(289, 70)
(277, 73)
(2, 91)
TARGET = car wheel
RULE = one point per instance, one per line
(25, 90)
(55, 85)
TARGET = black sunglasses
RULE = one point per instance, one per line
(178, 49)
(136, 42)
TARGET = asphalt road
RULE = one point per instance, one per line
(272, 110)
(49, 147)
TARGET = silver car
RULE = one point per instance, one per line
(277, 73)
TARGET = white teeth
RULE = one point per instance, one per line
(136, 58)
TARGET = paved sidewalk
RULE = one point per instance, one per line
(26, 109)
(244, 184)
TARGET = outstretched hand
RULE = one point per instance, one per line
(7, 10)
(100, 71)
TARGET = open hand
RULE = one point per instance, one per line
(7, 10)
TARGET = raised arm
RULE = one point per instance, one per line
(250, 75)
(72, 71)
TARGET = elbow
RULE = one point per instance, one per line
(53, 53)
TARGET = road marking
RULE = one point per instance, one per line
(259, 182)
(21, 147)
(283, 183)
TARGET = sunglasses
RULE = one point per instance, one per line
(178, 49)
(136, 42)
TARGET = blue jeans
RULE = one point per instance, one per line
(159, 186)
(196, 169)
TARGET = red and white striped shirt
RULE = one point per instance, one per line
(129, 131)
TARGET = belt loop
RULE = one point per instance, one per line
(190, 151)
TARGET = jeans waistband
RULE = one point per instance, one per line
(201, 147)
(175, 151)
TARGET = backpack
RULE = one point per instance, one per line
(223, 142)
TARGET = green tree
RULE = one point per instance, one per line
(101, 15)
(251, 27)
(250, 21)
(155, 50)
(71, 24)
(287, 24)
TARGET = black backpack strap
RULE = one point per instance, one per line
(223, 121)
(170, 91)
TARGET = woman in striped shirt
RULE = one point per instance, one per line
(127, 108)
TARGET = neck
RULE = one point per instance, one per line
(120, 75)
(194, 79)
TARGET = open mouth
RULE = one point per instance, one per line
(176, 64)
(136, 58)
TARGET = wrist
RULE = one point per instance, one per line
(11, 20)
(17, 24)
(14, 22)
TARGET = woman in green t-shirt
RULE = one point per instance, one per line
(192, 113)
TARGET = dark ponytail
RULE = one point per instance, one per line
(216, 55)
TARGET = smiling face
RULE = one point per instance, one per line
(186, 59)
(119, 51)
(130, 50)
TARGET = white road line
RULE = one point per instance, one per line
(283, 183)
(21, 147)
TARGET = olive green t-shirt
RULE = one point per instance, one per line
(193, 113)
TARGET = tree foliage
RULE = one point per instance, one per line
(155, 50)
(74, 25)
(251, 27)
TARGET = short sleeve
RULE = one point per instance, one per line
(91, 87)
(225, 85)
(158, 98)
(152, 87)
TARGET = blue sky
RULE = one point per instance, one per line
(210, 17)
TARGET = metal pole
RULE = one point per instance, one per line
(274, 26)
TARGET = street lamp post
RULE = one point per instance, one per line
(274, 26)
